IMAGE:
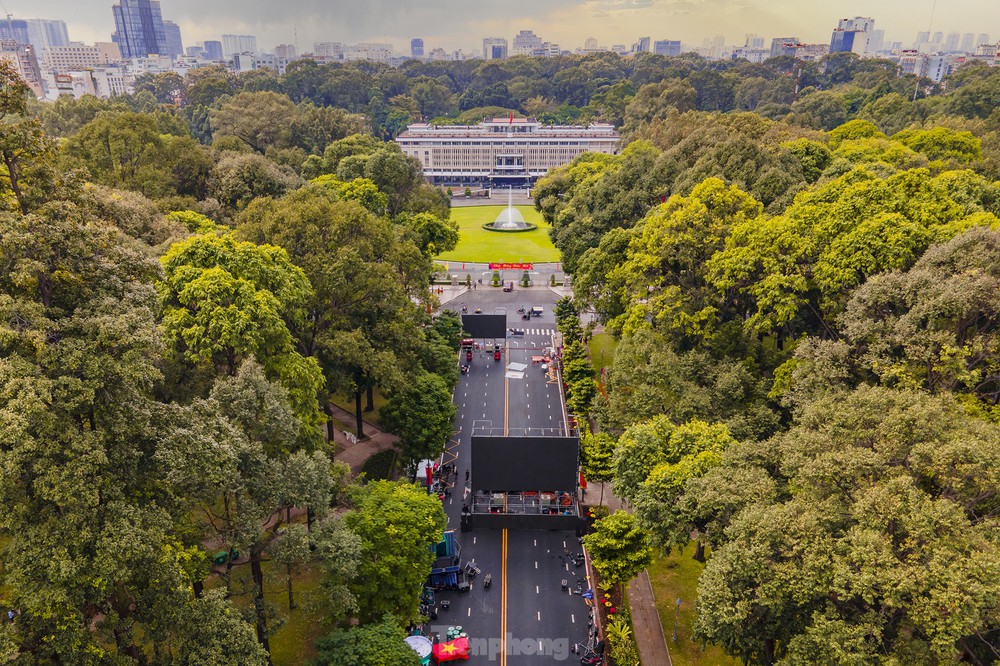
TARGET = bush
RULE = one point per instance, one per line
(525, 279)
(468, 192)
(449, 193)
(552, 280)
(468, 280)
(496, 278)
(380, 466)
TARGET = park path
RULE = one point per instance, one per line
(355, 452)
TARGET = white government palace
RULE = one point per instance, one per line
(503, 152)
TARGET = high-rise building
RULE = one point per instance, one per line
(967, 45)
(667, 47)
(213, 50)
(525, 42)
(876, 41)
(922, 39)
(753, 41)
(286, 52)
(937, 38)
(780, 45)
(641, 46)
(139, 28)
(195, 52)
(173, 44)
(590, 44)
(417, 47)
(982, 38)
(77, 55)
(951, 42)
(43, 34)
(232, 44)
(22, 56)
(494, 48)
(329, 50)
(15, 31)
(852, 35)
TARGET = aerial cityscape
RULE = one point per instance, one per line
(611, 332)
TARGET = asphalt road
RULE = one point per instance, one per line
(524, 617)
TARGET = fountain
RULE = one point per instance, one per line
(510, 218)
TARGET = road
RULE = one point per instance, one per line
(525, 617)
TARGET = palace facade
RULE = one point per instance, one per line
(503, 152)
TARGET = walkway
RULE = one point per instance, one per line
(356, 452)
(646, 625)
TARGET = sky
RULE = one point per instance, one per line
(454, 24)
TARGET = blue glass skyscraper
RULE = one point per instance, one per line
(139, 28)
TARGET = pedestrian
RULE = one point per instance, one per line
(467, 476)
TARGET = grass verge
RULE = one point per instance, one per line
(676, 576)
(602, 351)
(476, 244)
(347, 404)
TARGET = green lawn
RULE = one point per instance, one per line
(673, 577)
(602, 351)
(476, 244)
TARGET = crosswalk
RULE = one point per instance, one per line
(539, 331)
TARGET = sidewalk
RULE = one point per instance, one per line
(355, 453)
(646, 625)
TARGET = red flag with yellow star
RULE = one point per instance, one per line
(452, 650)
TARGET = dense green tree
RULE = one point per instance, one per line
(421, 413)
(371, 645)
(619, 547)
(97, 559)
(260, 119)
(398, 523)
(225, 301)
(433, 234)
(239, 178)
(857, 552)
(597, 451)
(361, 321)
(665, 264)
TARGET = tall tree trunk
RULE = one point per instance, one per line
(310, 517)
(699, 551)
(328, 410)
(258, 601)
(13, 175)
(601, 503)
(370, 403)
(357, 412)
(199, 588)
(288, 565)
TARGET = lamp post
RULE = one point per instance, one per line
(677, 613)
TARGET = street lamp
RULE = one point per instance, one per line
(677, 613)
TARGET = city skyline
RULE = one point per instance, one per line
(451, 24)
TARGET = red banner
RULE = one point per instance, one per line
(511, 267)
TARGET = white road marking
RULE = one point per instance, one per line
(536, 565)
(537, 591)
(470, 612)
(539, 615)
(572, 618)
(536, 543)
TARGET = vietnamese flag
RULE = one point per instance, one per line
(452, 650)
(511, 117)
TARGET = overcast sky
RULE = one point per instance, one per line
(463, 23)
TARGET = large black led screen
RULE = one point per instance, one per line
(525, 463)
(485, 325)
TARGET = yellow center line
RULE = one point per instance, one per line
(503, 598)
(506, 388)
